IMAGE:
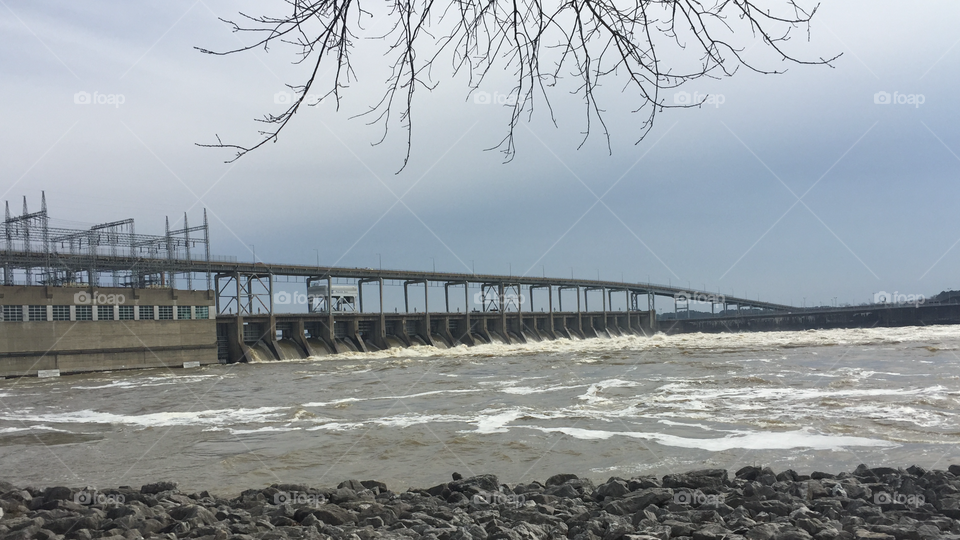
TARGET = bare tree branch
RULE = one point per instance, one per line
(650, 45)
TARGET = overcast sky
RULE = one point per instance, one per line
(709, 198)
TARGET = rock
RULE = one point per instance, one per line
(565, 491)
(159, 487)
(707, 478)
(766, 531)
(698, 505)
(197, 515)
(613, 488)
(713, 531)
(637, 501)
(58, 493)
(864, 534)
(379, 486)
(748, 473)
(485, 482)
(334, 515)
(344, 495)
(788, 475)
(644, 482)
(559, 479)
(793, 534)
(355, 485)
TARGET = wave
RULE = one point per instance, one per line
(782, 440)
(141, 382)
(215, 417)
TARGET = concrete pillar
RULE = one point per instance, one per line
(503, 315)
(603, 298)
(249, 294)
(446, 297)
(383, 320)
(466, 307)
(239, 352)
(426, 312)
(331, 337)
(550, 297)
(300, 336)
(270, 337)
(520, 312)
(270, 281)
(579, 314)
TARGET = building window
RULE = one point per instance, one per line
(84, 313)
(166, 313)
(12, 313)
(37, 313)
(104, 313)
(202, 312)
(61, 313)
(146, 313)
(183, 312)
(126, 313)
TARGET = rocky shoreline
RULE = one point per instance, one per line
(753, 504)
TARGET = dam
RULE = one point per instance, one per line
(107, 297)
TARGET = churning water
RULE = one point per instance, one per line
(818, 400)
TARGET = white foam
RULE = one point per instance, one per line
(149, 381)
(218, 417)
(782, 440)
(527, 390)
(333, 402)
(591, 350)
(406, 396)
(336, 426)
(40, 427)
(497, 421)
(592, 393)
(413, 419)
(265, 429)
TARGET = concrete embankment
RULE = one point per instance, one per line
(880, 503)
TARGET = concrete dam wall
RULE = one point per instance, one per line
(293, 336)
(60, 330)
